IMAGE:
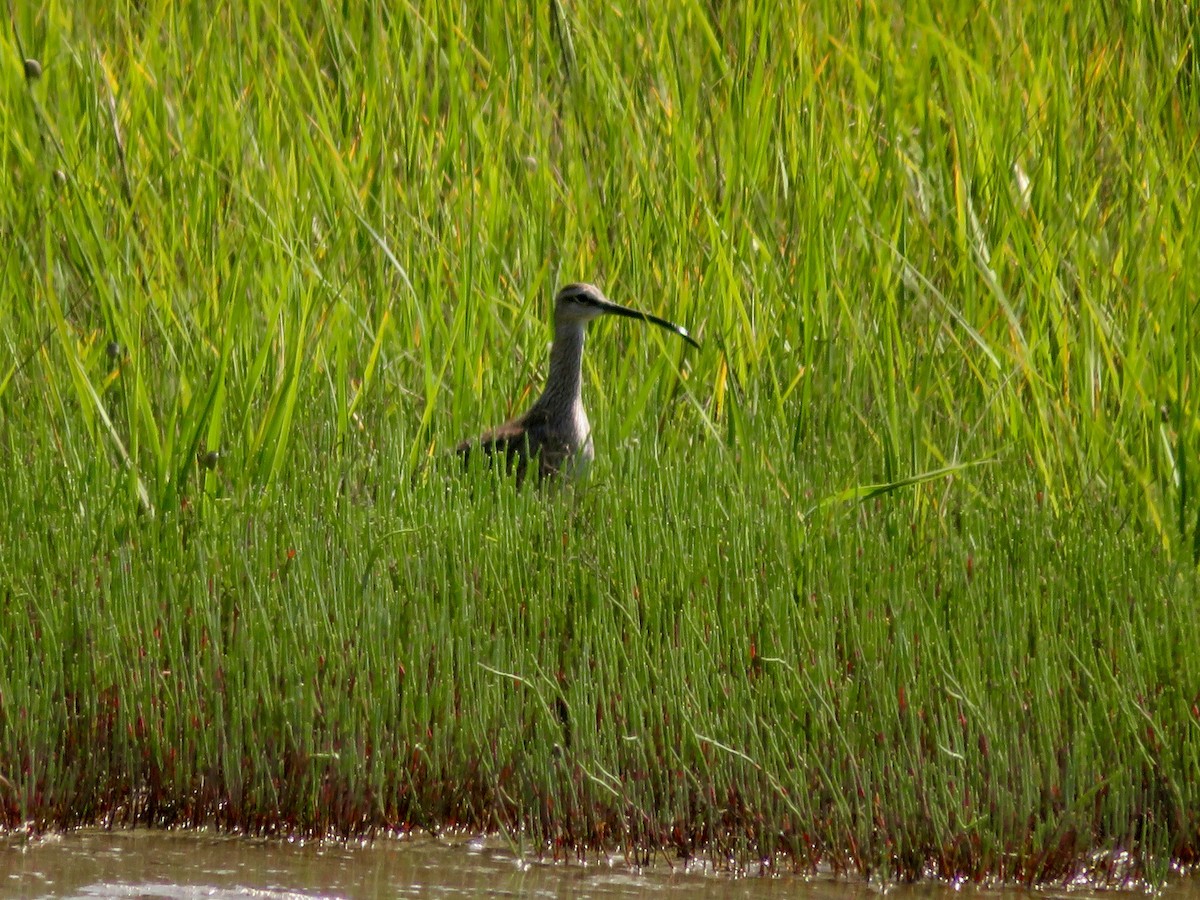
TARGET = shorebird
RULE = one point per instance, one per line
(555, 432)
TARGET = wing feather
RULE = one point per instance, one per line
(509, 442)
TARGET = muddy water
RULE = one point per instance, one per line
(151, 864)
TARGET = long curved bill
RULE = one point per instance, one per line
(617, 309)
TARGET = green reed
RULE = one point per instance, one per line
(897, 573)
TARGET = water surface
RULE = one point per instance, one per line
(149, 865)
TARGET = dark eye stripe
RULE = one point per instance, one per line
(583, 294)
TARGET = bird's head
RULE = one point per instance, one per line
(579, 303)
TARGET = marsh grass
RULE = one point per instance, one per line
(898, 574)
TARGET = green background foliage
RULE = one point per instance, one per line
(898, 572)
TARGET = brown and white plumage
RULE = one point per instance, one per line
(555, 432)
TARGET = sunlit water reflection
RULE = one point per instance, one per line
(149, 865)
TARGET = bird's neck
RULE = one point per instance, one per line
(566, 354)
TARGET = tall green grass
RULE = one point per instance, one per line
(898, 573)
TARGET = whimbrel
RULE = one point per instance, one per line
(555, 431)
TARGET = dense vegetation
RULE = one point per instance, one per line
(897, 574)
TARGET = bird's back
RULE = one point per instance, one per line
(551, 438)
